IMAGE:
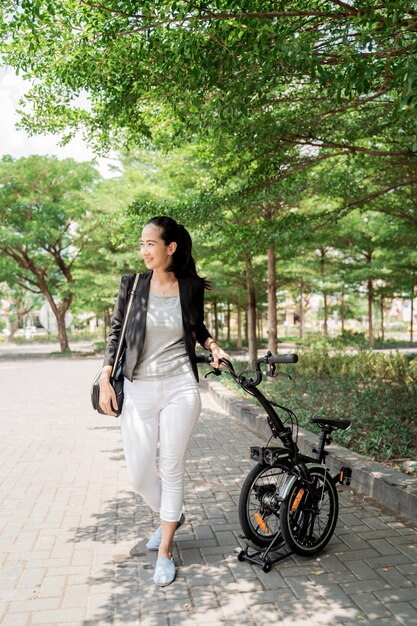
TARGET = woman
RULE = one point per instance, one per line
(160, 387)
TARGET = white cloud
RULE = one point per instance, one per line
(17, 143)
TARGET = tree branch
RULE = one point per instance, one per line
(117, 11)
(381, 192)
(319, 143)
(300, 166)
(26, 288)
(227, 16)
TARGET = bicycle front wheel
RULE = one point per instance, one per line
(259, 504)
(308, 526)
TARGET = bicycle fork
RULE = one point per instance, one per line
(306, 484)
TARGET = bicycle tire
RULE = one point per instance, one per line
(304, 531)
(261, 483)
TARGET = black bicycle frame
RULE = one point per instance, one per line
(284, 433)
(278, 428)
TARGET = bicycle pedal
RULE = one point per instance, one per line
(345, 476)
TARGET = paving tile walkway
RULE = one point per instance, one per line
(68, 519)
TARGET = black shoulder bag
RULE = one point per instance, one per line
(116, 376)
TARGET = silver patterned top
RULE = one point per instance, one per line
(164, 351)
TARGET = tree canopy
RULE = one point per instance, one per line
(281, 119)
(42, 205)
(290, 85)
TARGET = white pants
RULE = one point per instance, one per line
(170, 407)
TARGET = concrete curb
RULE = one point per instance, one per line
(391, 488)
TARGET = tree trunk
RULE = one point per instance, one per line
(13, 329)
(381, 309)
(260, 327)
(412, 312)
(14, 325)
(371, 339)
(59, 310)
(272, 301)
(216, 321)
(228, 322)
(17, 319)
(325, 307)
(62, 331)
(239, 327)
(368, 254)
(301, 310)
(106, 324)
(251, 313)
(342, 311)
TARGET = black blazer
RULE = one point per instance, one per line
(192, 307)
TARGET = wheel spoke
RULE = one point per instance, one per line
(258, 507)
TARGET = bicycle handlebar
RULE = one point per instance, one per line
(269, 358)
(283, 358)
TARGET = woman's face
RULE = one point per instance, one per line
(156, 254)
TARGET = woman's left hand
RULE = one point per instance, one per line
(217, 353)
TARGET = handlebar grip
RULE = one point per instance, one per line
(203, 358)
(283, 358)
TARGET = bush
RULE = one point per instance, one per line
(365, 365)
(412, 372)
(100, 346)
(350, 338)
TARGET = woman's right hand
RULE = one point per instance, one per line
(108, 400)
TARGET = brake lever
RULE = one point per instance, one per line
(215, 371)
(272, 373)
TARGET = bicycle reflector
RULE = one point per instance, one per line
(345, 475)
(297, 500)
(261, 522)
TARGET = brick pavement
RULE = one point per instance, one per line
(68, 519)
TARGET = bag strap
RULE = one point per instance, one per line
(122, 334)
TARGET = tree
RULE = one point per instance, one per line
(21, 302)
(43, 203)
(298, 85)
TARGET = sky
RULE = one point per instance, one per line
(18, 144)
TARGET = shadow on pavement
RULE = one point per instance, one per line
(212, 586)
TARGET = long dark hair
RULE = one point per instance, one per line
(183, 263)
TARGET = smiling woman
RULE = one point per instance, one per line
(161, 393)
(157, 255)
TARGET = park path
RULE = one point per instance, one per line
(68, 519)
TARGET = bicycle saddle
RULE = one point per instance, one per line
(334, 424)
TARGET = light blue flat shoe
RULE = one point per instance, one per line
(165, 571)
(156, 537)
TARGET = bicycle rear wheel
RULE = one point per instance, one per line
(305, 528)
(258, 504)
